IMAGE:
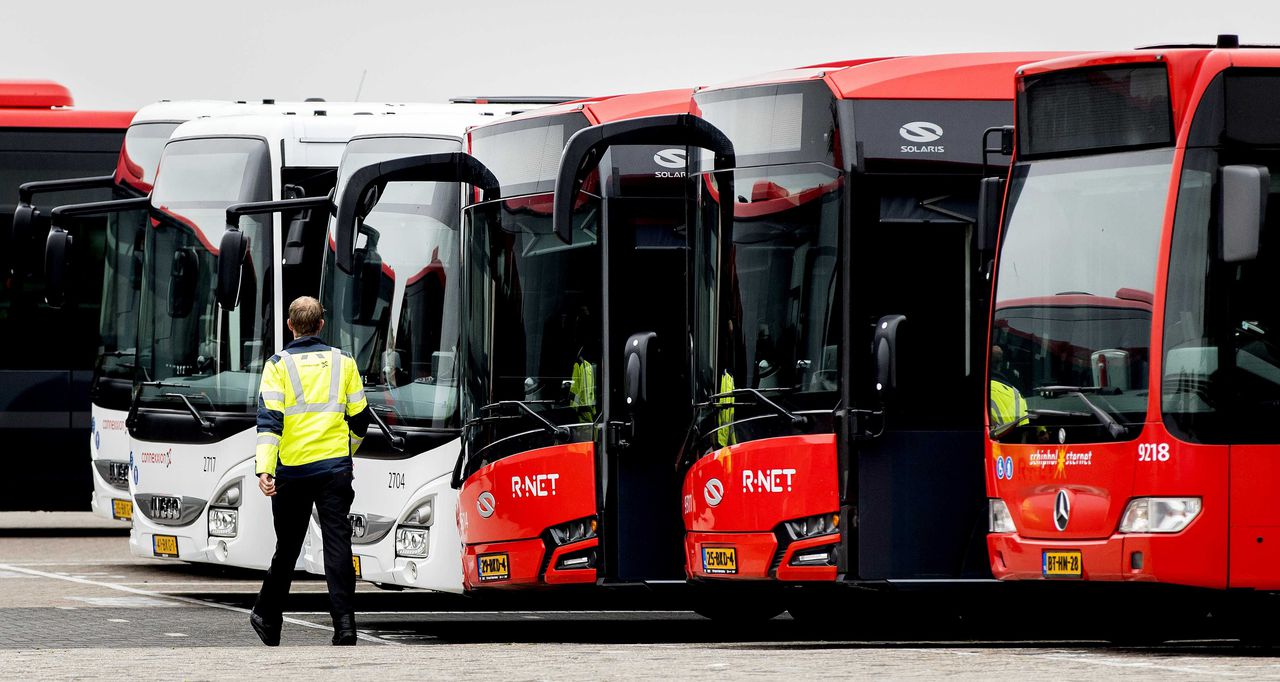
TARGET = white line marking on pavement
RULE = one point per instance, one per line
(117, 620)
(1113, 662)
(184, 600)
(543, 614)
(125, 602)
(11, 574)
(174, 634)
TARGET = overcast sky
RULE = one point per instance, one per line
(125, 54)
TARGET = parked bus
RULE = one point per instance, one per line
(394, 306)
(851, 205)
(47, 355)
(110, 388)
(1136, 317)
(536, 322)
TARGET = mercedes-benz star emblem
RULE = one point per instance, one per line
(485, 504)
(713, 491)
(1061, 510)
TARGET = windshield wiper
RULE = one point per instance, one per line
(524, 406)
(397, 440)
(1115, 428)
(1032, 415)
(204, 423)
(795, 419)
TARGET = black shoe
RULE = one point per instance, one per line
(344, 630)
(268, 633)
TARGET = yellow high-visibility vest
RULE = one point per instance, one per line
(582, 390)
(315, 391)
(724, 434)
(1006, 404)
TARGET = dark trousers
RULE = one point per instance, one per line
(331, 493)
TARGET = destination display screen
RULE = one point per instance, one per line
(1091, 110)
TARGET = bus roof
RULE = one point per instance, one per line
(617, 107)
(45, 104)
(967, 76)
(34, 94)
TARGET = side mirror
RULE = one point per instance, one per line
(990, 203)
(1244, 211)
(366, 283)
(183, 276)
(885, 347)
(57, 263)
(232, 252)
(635, 364)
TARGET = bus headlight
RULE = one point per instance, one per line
(999, 520)
(574, 531)
(223, 522)
(228, 496)
(813, 526)
(1159, 514)
(421, 514)
(412, 542)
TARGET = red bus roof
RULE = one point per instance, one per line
(968, 76)
(613, 107)
(34, 94)
(44, 104)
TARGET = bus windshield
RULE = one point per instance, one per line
(1071, 332)
(121, 283)
(766, 304)
(534, 327)
(397, 312)
(140, 156)
(188, 345)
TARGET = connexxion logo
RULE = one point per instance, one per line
(921, 131)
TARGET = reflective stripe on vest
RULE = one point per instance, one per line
(301, 405)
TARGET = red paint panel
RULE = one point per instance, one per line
(970, 76)
(525, 557)
(789, 573)
(572, 576)
(65, 118)
(532, 491)
(1255, 517)
(754, 553)
(762, 483)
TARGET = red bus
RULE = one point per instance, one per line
(1136, 316)
(47, 355)
(854, 192)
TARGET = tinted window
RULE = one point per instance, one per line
(1081, 110)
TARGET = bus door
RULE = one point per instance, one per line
(645, 252)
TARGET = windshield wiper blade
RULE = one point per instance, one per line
(204, 423)
(1114, 427)
(1032, 415)
(524, 406)
(795, 419)
(397, 440)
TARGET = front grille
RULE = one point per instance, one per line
(118, 474)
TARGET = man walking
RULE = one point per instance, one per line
(312, 415)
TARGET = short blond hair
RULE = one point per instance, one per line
(305, 316)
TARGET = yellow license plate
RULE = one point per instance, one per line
(122, 509)
(494, 566)
(165, 545)
(355, 563)
(719, 560)
(1065, 563)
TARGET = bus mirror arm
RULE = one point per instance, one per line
(361, 193)
(58, 244)
(990, 202)
(584, 150)
(1243, 200)
(26, 217)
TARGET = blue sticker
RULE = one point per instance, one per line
(1008, 468)
(134, 468)
(97, 440)
(93, 424)
(999, 468)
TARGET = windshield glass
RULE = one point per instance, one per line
(533, 319)
(121, 284)
(140, 156)
(766, 304)
(186, 341)
(397, 313)
(1074, 294)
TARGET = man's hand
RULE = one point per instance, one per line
(267, 483)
